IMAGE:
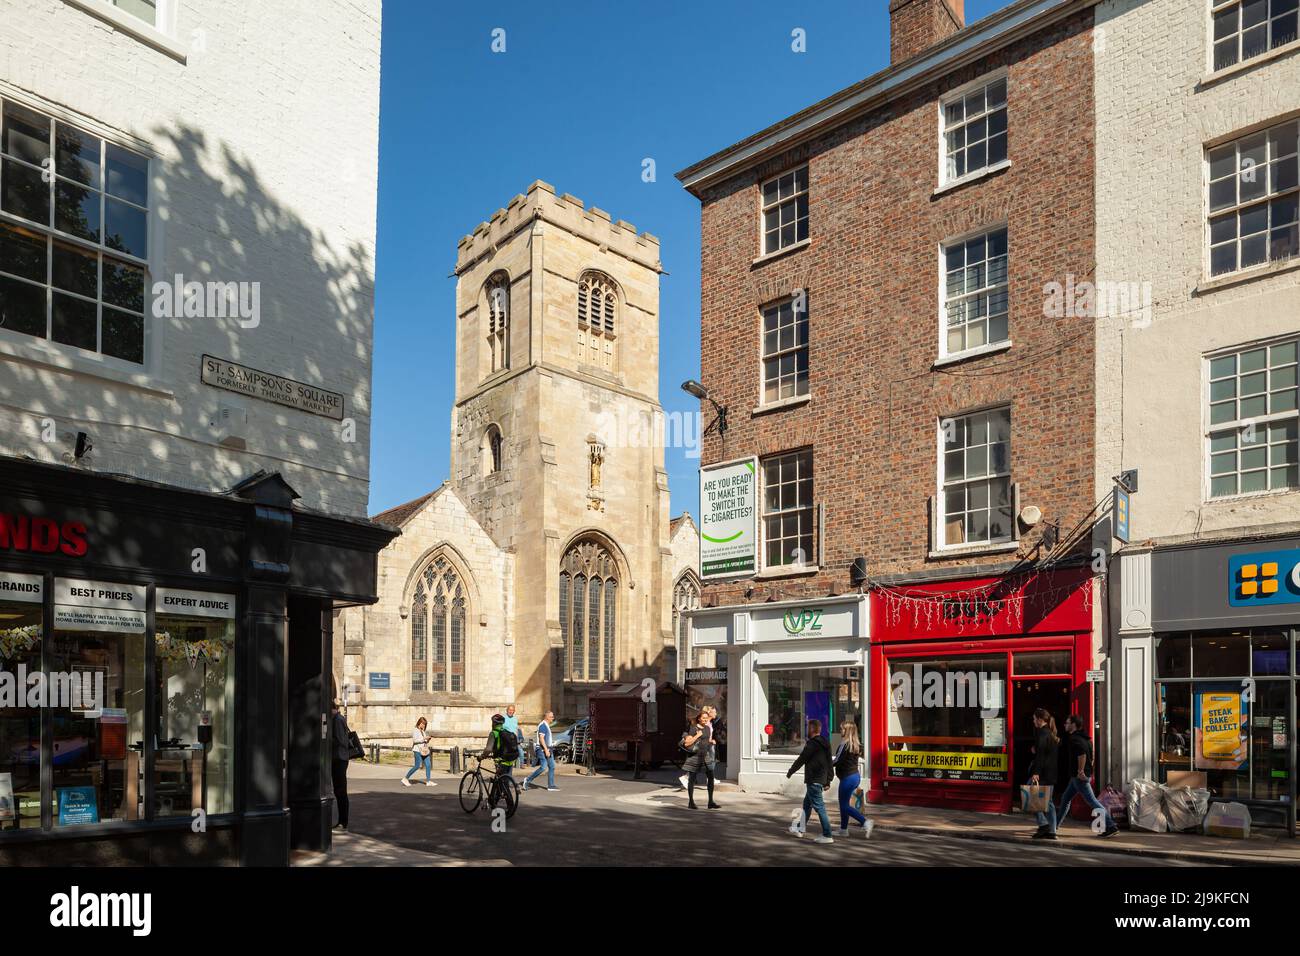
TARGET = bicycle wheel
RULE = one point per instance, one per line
(471, 791)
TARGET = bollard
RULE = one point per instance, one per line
(528, 753)
(374, 753)
(455, 761)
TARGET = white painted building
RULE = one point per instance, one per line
(187, 243)
(232, 152)
(1198, 127)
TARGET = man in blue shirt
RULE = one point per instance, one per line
(545, 755)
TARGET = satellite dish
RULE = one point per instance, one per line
(1030, 516)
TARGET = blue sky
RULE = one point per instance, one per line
(584, 92)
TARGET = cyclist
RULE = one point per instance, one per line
(502, 746)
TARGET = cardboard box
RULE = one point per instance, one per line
(1196, 779)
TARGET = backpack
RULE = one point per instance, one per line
(507, 745)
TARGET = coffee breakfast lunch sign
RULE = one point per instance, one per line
(220, 373)
(729, 519)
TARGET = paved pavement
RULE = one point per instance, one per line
(612, 820)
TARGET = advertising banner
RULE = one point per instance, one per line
(948, 765)
(729, 519)
(99, 606)
(1221, 727)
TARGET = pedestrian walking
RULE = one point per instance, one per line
(545, 755)
(818, 770)
(846, 768)
(1044, 769)
(340, 753)
(700, 741)
(1080, 751)
(422, 753)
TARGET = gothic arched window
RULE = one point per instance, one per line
(686, 597)
(498, 310)
(588, 612)
(597, 309)
(438, 614)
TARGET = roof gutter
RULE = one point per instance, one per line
(976, 41)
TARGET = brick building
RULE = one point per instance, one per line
(908, 400)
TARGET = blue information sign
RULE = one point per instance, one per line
(380, 680)
(77, 805)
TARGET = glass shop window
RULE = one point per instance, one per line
(194, 763)
(21, 632)
(829, 694)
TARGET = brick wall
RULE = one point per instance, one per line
(871, 271)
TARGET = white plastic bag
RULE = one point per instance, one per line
(1146, 807)
(1185, 807)
(1228, 820)
(798, 822)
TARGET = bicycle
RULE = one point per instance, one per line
(476, 790)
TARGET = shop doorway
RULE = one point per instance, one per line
(1027, 695)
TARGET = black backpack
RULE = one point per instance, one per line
(507, 745)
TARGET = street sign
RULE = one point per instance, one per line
(1096, 677)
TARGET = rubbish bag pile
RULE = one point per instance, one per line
(1161, 809)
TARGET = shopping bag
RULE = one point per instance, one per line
(1035, 799)
(1115, 805)
(798, 822)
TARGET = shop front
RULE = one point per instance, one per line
(164, 668)
(787, 663)
(1209, 686)
(957, 670)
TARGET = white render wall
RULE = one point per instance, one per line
(1154, 117)
(266, 146)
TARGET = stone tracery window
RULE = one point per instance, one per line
(438, 611)
(597, 310)
(498, 310)
(589, 583)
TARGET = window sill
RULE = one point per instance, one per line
(780, 405)
(132, 26)
(983, 350)
(1228, 72)
(971, 550)
(1247, 275)
(1251, 496)
(59, 361)
(769, 256)
(791, 571)
(984, 173)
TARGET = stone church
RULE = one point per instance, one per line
(548, 563)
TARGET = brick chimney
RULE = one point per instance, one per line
(915, 25)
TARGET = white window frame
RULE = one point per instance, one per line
(1266, 199)
(1209, 430)
(814, 517)
(1218, 6)
(940, 505)
(763, 208)
(763, 356)
(161, 35)
(46, 351)
(1001, 75)
(1000, 344)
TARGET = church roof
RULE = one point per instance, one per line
(676, 523)
(399, 515)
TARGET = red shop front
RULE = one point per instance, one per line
(957, 668)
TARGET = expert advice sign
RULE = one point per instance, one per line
(729, 519)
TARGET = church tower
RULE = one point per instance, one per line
(557, 446)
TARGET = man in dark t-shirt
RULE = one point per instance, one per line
(1079, 748)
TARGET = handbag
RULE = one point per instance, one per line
(425, 750)
(355, 750)
(1035, 799)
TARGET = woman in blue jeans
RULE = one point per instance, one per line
(420, 751)
(846, 769)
